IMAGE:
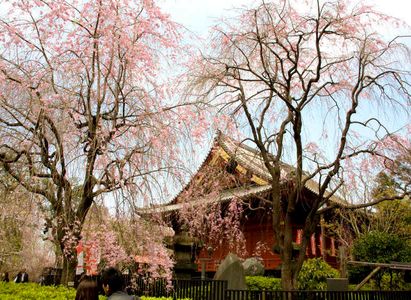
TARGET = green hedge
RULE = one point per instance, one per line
(313, 276)
(261, 283)
(33, 291)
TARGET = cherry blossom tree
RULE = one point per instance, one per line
(309, 82)
(84, 104)
(212, 223)
(127, 241)
(146, 239)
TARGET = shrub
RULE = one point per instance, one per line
(260, 283)
(391, 281)
(380, 247)
(314, 274)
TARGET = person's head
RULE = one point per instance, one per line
(87, 289)
(112, 281)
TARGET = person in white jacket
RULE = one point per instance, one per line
(22, 277)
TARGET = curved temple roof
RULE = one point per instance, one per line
(251, 160)
(248, 159)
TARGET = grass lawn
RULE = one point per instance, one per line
(33, 291)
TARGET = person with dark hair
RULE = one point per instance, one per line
(24, 276)
(6, 277)
(87, 289)
(113, 283)
(17, 279)
(21, 277)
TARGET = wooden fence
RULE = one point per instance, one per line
(314, 295)
(217, 290)
(193, 289)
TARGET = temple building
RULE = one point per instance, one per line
(234, 171)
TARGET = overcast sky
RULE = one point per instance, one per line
(199, 15)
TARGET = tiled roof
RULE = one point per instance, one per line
(251, 160)
(248, 157)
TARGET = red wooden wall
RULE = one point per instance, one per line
(259, 241)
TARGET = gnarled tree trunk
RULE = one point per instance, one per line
(69, 270)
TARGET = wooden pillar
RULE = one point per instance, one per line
(332, 246)
(203, 267)
(313, 245)
(322, 238)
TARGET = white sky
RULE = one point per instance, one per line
(199, 15)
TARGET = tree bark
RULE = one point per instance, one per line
(287, 271)
(69, 270)
(286, 276)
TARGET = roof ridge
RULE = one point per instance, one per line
(259, 167)
(194, 173)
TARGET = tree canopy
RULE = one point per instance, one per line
(83, 105)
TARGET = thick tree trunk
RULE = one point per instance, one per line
(287, 276)
(69, 270)
(288, 280)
